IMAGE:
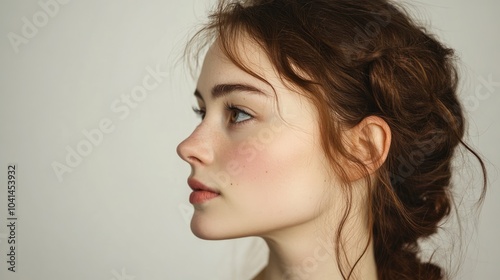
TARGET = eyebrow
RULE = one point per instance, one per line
(221, 90)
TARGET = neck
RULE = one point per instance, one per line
(305, 253)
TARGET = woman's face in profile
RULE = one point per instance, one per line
(259, 150)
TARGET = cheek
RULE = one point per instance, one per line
(278, 173)
(257, 158)
(246, 161)
(267, 149)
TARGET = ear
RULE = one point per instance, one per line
(369, 142)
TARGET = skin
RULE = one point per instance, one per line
(274, 180)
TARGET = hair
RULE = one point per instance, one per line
(355, 59)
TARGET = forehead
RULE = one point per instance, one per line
(219, 69)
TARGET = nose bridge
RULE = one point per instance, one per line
(197, 147)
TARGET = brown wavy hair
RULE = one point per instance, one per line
(367, 58)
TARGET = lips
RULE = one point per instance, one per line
(201, 193)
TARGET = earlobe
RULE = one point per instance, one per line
(369, 142)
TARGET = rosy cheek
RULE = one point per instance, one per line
(246, 161)
(265, 158)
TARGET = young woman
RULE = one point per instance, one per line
(328, 129)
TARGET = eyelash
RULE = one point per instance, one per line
(230, 108)
(199, 112)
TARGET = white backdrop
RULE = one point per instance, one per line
(93, 101)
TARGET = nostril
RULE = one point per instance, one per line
(193, 159)
(196, 148)
(190, 151)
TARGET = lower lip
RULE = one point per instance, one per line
(198, 197)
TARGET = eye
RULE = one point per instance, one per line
(200, 112)
(237, 115)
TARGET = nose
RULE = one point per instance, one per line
(197, 148)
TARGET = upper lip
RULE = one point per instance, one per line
(196, 185)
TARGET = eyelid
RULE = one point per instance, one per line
(230, 109)
(199, 112)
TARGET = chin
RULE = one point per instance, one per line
(208, 234)
(202, 233)
(206, 230)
